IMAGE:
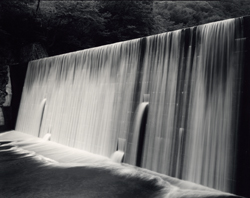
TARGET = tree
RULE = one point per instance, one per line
(126, 20)
(17, 28)
(70, 25)
(162, 22)
(184, 14)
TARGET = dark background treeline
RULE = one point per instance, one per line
(56, 27)
(31, 29)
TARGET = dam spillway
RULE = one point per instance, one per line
(193, 78)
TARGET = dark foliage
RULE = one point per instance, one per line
(65, 26)
(126, 20)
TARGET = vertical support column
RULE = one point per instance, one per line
(243, 148)
(136, 148)
(118, 156)
(142, 132)
(17, 77)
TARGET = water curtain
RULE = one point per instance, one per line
(192, 77)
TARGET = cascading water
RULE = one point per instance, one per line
(194, 87)
(192, 77)
(86, 106)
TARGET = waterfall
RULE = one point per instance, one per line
(194, 86)
(86, 106)
(192, 77)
